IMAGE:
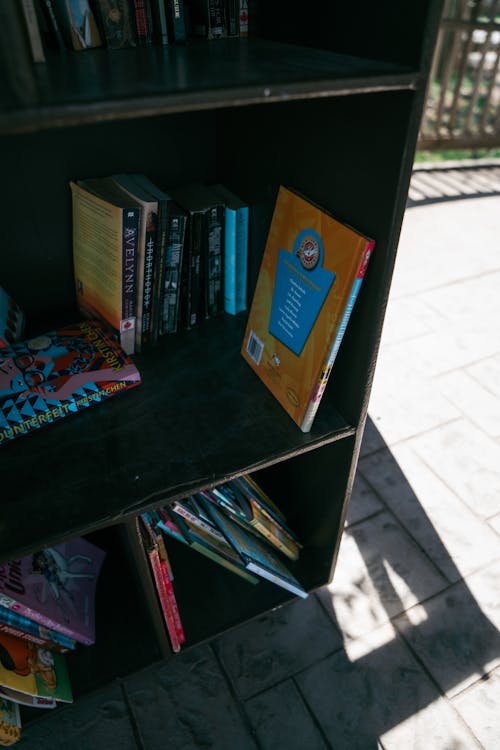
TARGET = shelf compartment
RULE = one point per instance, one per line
(99, 85)
(200, 416)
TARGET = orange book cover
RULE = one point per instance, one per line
(311, 271)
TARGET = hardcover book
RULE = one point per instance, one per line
(235, 249)
(78, 24)
(56, 587)
(105, 242)
(25, 668)
(176, 20)
(311, 272)
(58, 374)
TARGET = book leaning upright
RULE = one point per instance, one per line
(311, 272)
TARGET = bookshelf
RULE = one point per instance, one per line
(329, 104)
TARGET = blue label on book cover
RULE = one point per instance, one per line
(300, 290)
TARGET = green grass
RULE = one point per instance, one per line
(457, 154)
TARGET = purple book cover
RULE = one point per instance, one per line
(56, 587)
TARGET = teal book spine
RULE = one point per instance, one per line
(230, 277)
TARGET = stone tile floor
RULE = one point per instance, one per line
(402, 650)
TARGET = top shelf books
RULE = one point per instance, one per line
(113, 84)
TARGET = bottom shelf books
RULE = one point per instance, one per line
(234, 524)
(10, 723)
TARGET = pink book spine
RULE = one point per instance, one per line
(165, 604)
(173, 602)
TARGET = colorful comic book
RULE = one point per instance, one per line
(60, 373)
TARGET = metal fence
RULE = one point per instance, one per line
(463, 99)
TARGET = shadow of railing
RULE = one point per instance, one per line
(451, 181)
(451, 643)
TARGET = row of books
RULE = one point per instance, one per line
(84, 24)
(236, 525)
(47, 607)
(148, 262)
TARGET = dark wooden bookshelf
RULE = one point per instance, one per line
(328, 102)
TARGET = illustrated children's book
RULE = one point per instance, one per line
(10, 723)
(58, 374)
(35, 671)
(55, 587)
(309, 279)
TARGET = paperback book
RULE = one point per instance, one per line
(34, 671)
(310, 276)
(12, 320)
(60, 373)
(10, 722)
(55, 587)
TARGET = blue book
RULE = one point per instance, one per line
(14, 619)
(235, 250)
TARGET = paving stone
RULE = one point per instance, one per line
(495, 523)
(380, 573)
(479, 706)
(456, 540)
(98, 720)
(476, 403)
(407, 318)
(273, 647)
(405, 402)
(487, 373)
(185, 704)
(281, 720)
(429, 256)
(473, 300)
(456, 634)
(375, 689)
(467, 461)
(363, 502)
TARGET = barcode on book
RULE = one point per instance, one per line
(255, 347)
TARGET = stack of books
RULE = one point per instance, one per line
(148, 262)
(236, 525)
(47, 607)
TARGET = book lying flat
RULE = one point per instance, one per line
(55, 587)
(58, 374)
(254, 554)
(34, 671)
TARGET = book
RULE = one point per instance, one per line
(145, 265)
(254, 553)
(201, 275)
(176, 20)
(243, 18)
(50, 28)
(208, 18)
(22, 627)
(60, 373)
(220, 552)
(116, 23)
(78, 24)
(159, 15)
(170, 278)
(34, 671)
(33, 30)
(245, 506)
(162, 575)
(10, 722)
(12, 320)
(236, 214)
(233, 17)
(143, 21)
(311, 272)
(23, 699)
(105, 242)
(56, 587)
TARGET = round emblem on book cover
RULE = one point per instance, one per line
(308, 252)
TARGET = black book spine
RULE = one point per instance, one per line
(171, 279)
(142, 12)
(233, 17)
(213, 271)
(216, 19)
(191, 286)
(176, 18)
